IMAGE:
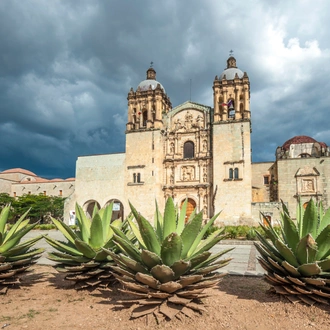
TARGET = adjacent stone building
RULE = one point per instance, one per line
(17, 182)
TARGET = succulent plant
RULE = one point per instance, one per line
(15, 257)
(297, 260)
(172, 266)
(82, 256)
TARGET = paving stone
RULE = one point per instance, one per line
(244, 255)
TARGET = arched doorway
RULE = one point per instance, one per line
(191, 205)
(117, 209)
(89, 207)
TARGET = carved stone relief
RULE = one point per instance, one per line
(307, 186)
(188, 123)
(307, 180)
(187, 173)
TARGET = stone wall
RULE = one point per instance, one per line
(271, 210)
(261, 181)
(49, 188)
(232, 149)
(305, 178)
(98, 179)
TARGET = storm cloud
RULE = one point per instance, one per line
(66, 68)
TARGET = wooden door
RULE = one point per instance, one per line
(191, 205)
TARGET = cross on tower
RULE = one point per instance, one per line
(151, 64)
(231, 53)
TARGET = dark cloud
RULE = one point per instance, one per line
(67, 66)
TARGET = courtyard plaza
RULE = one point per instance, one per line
(244, 255)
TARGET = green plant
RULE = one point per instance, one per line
(251, 235)
(231, 231)
(210, 230)
(169, 270)
(297, 259)
(242, 230)
(82, 256)
(45, 227)
(15, 257)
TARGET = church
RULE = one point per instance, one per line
(203, 154)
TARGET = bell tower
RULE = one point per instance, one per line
(231, 136)
(231, 93)
(144, 142)
(147, 104)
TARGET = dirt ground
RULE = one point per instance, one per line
(46, 301)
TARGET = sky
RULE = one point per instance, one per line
(66, 67)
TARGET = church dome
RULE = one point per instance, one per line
(145, 85)
(298, 140)
(231, 73)
(150, 81)
(302, 146)
(232, 70)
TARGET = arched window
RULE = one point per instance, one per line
(89, 207)
(134, 177)
(117, 209)
(236, 173)
(304, 155)
(138, 177)
(188, 150)
(231, 175)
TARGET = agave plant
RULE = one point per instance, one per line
(82, 256)
(15, 257)
(172, 266)
(297, 260)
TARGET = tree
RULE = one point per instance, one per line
(5, 199)
(41, 207)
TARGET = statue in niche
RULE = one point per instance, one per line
(204, 145)
(172, 147)
(205, 177)
(178, 125)
(205, 210)
(205, 206)
(172, 176)
(199, 121)
(204, 173)
(189, 120)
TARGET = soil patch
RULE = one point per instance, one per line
(46, 301)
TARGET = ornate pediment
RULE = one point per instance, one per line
(307, 180)
(186, 121)
(307, 171)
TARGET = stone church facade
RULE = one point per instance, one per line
(199, 153)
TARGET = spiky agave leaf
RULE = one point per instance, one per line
(82, 256)
(15, 257)
(172, 266)
(297, 262)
